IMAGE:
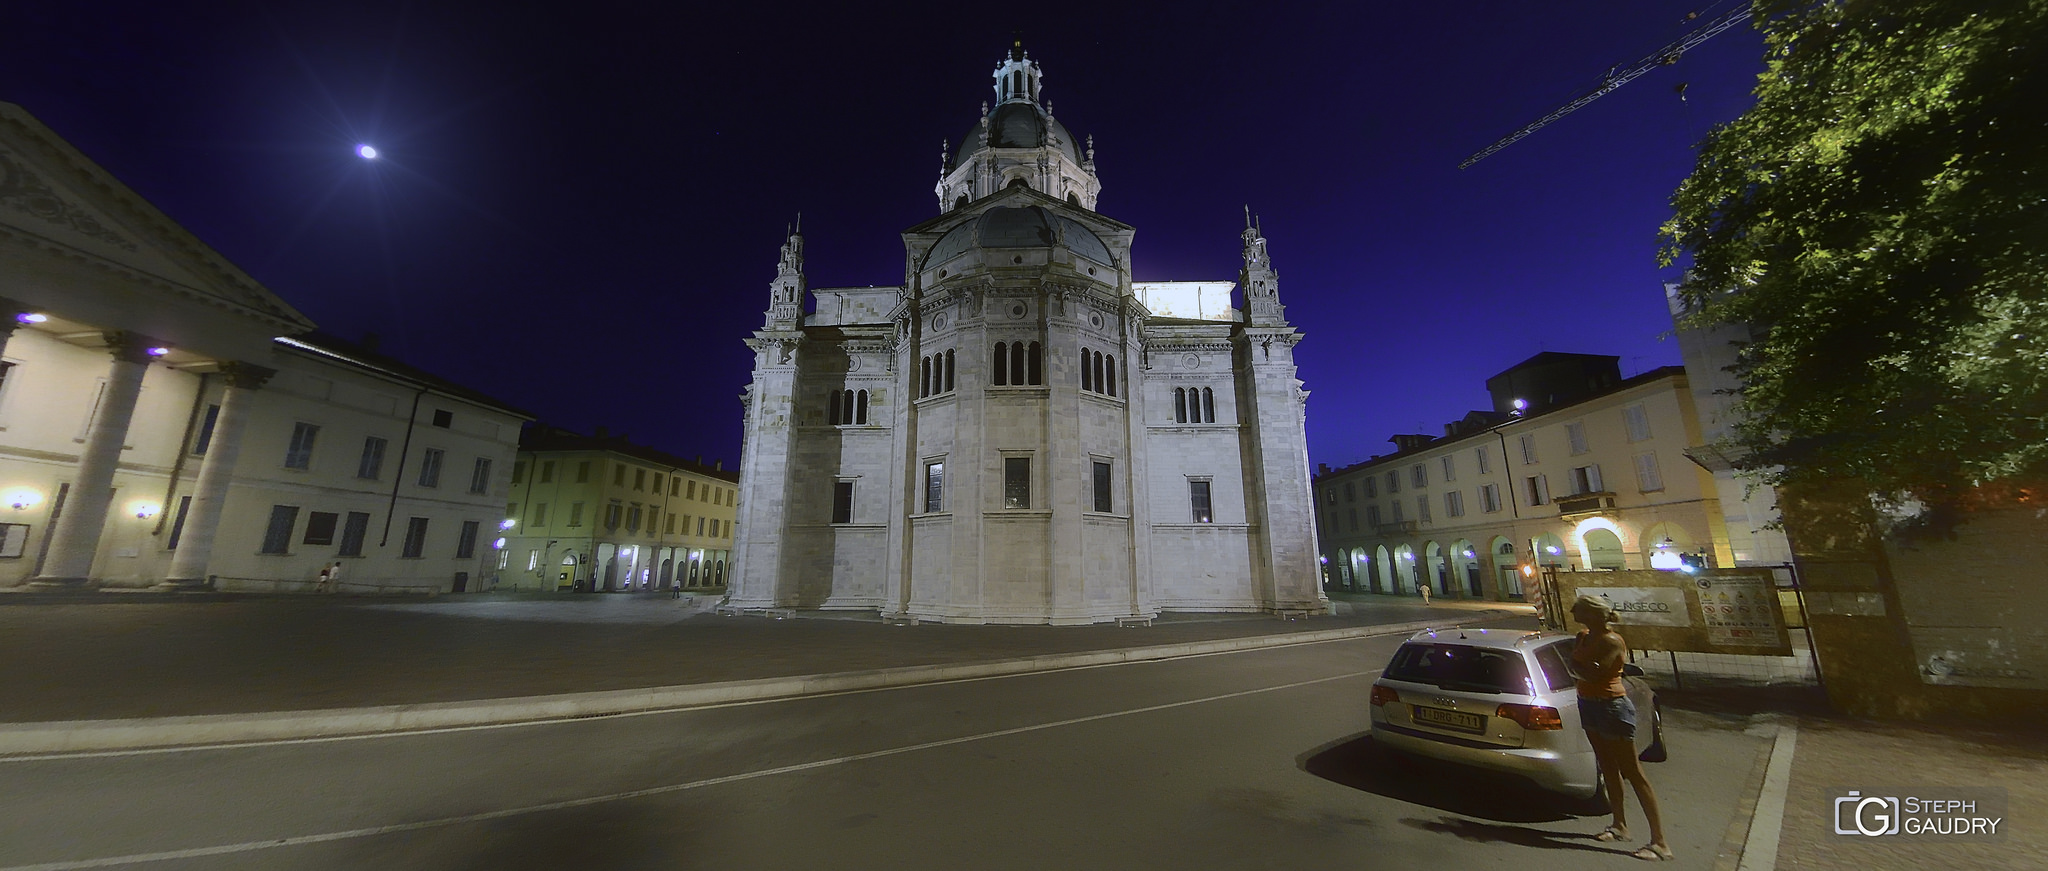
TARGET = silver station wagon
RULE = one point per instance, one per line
(1501, 700)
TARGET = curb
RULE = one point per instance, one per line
(81, 736)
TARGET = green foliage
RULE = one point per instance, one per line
(1880, 219)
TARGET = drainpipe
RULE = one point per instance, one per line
(397, 480)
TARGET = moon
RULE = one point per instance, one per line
(366, 152)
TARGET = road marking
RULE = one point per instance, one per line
(555, 721)
(301, 840)
(1760, 851)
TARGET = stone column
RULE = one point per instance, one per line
(210, 492)
(76, 538)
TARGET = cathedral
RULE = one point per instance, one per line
(1022, 432)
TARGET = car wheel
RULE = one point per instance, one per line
(1655, 752)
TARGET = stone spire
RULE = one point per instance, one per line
(1260, 282)
(786, 292)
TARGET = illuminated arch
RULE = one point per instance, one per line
(1589, 524)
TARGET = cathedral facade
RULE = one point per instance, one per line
(1022, 432)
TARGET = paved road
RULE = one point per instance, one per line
(1245, 760)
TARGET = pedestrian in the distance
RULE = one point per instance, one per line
(1423, 588)
(334, 578)
(1610, 721)
(326, 577)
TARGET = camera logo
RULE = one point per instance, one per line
(1869, 815)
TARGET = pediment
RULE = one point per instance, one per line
(56, 200)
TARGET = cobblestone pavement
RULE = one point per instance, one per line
(112, 659)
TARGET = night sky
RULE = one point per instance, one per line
(579, 205)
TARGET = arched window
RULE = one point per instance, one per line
(1020, 183)
(860, 407)
(924, 377)
(1109, 374)
(1180, 405)
(1087, 383)
(846, 407)
(1208, 405)
(1002, 364)
(962, 202)
(1016, 82)
(1073, 199)
(1017, 371)
(949, 370)
(1098, 370)
(1037, 371)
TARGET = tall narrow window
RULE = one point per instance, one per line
(633, 518)
(205, 437)
(575, 514)
(1017, 369)
(1484, 461)
(547, 472)
(1454, 503)
(1002, 361)
(1489, 497)
(1422, 508)
(1538, 490)
(518, 473)
(415, 538)
(1418, 475)
(924, 377)
(1109, 374)
(540, 514)
(1575, 434)
(1087, 371)
(178, 522)
(1450, 465)
(1648, 478)
(430, 467)
(934, 487)
(1016, 482)
(372, 463)
(1180, 405)
(949, 370)
(1208, 405)
(1198, 500)
(465, 544)
(842, 502)
(480, 476)
(860, 407)
(1638, 421)
(278, 537)
(353, 531)
(583, 472)
(1528, 443)
(1037, 370)
(299, 455)
(1102, 482)
(1586, 479)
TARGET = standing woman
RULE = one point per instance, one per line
(1610, 720)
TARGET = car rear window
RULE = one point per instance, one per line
(1555, 661)
(1460, 667)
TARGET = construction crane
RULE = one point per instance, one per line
(1619, 76)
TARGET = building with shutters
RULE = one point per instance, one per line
(1023, 431)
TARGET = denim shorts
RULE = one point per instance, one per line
(1609, 718)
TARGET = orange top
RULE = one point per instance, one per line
(1595, 682)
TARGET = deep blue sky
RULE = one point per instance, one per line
(581, 204)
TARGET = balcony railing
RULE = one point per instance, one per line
(1580, 504)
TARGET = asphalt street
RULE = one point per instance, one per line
(1255, 759)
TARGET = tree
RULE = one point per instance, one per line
(1880, 220)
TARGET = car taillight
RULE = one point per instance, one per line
(1531, 716)
(1382, 695)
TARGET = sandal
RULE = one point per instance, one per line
(1654, 853)
(1612, 833)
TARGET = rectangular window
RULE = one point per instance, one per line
(1450, 468)
(177, 523)
(1394, 512)
(691, 491)
(670, 529)
(430, 467)
(372, 463)
(1102, 487)
(657, 483)
(1372, 487)
(700, 527)
(519, 472)
(613, 513)
(278, 537)
(1198, 501)
(639, 479)
(320, 527)
(618, 476)
(1528, 442)
(1483, 460)
(575, 514)
(1419, 476)
(511, 509)
(1016, 482)
(415, 538)
(934, 487)
(480, 476)
(1586, 479)
(842, 502)
(1422, 508)
(583, 472)
(1348, 495)
(465, 544)
(547, 472)
(1648, 478)
(675, 486)
(1331, 495)
(1538, 490)
(299, 455)
(205, 437)
(1351, 519)
(686, 524)
(353, 531)
(444, 418)
(540, 514)
(1393, 482)
(1638, 421)
(532, 560)
(1575, 433)
(1372, 515)
(1454, 504)
(1489, 498)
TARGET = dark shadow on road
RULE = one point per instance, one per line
(1488, 833)
(1357, 762)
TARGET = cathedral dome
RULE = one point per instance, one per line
(1017, 125)
(1027, 227)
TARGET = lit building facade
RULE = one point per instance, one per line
(1022, 432)
(602, 514)
(1574, 467)
(167, 422)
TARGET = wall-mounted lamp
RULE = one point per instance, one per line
(145, 510)
(30, 318)
(22, 499)
(1468, 553)
(498, 545)
(159, 351)
(507, 523)
(1552, 550)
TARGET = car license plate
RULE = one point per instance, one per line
(1459, 721)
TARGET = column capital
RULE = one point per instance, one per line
(246, 376)
(130, 347)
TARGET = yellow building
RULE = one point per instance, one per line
(601, 513)
(1574, 467)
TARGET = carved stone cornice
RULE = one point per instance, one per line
(130, 347)
(246, 376)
